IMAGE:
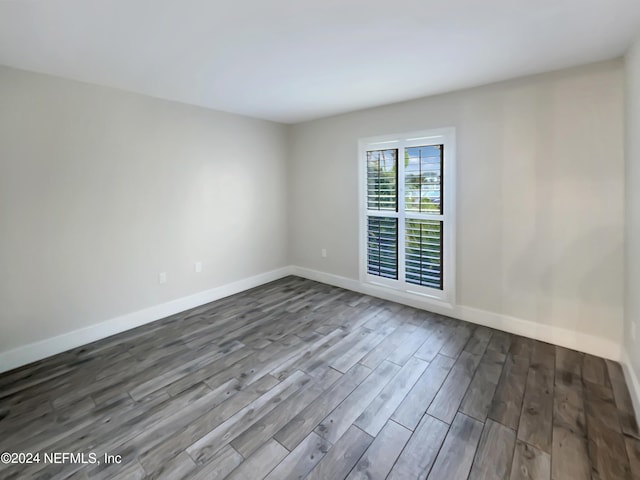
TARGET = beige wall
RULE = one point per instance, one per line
(101, 190)
(632, 298)
(540, 208)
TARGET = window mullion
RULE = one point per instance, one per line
(424, 216)
(382, 213)
(401, 217)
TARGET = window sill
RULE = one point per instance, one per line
(409, 297)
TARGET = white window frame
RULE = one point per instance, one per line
(440, 136)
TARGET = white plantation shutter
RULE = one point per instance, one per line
(382, 180)
(382, 247)
(405, 222)
(423, 206)
(423, 259)
(382, 196)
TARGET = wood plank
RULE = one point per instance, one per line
(389, 345)
(253, 437)
(339, 420)
(606, 444)
(234, 326)
(594, 370)
(434, 343)
(359, 317)
(258, 465)
(205, 448)
(285, 369)
(495, 453)
(81, 475)
(220, 466)
(530, 463)
(409, 345)
(536, 419)
(570, 457)
(479, 340)
(446, 403)
(569, 361)
(289, 346)
(304, 422)
(377, 461)
(185, 381)
(521, 347)
(623, 400)
(459, 448)
(302, 459)
(417, 401)
(114, 427)
(421, 450)
(35, 407)
(349, 358)
(148, 441)
(600, 407)
(109, 388)
(455, 343)
(132, 472)
(477, 401)
(633, 452)
(42, 421)
(607, 451)
(568, 405)
(500, 342)
(336, 350)
(341, 458)
(506, 405)
(152, 453)
(179, 467)
(543, 354)
(375, 416)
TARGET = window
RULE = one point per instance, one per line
(407, 223)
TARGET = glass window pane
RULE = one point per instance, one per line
(382, 180)
(423, 179)
(423, 250)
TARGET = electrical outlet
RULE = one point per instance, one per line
(162, 277)
(323, 253)
(633, 331)
(197, 267)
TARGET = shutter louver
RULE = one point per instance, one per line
(423, 253)
(423, 179)
(382, 195)
(382, 180)
(382, 247)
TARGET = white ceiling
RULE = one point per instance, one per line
(295, 60)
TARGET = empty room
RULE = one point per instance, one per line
(320, 240)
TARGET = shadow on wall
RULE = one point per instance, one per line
(562, 257)
(579, 285)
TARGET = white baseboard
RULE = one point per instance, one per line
(559, 336)
(547, 333)
(633, 382)
(564, 337)
(435, 306)
(45, 348)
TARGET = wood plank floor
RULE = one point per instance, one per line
(296, 379)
